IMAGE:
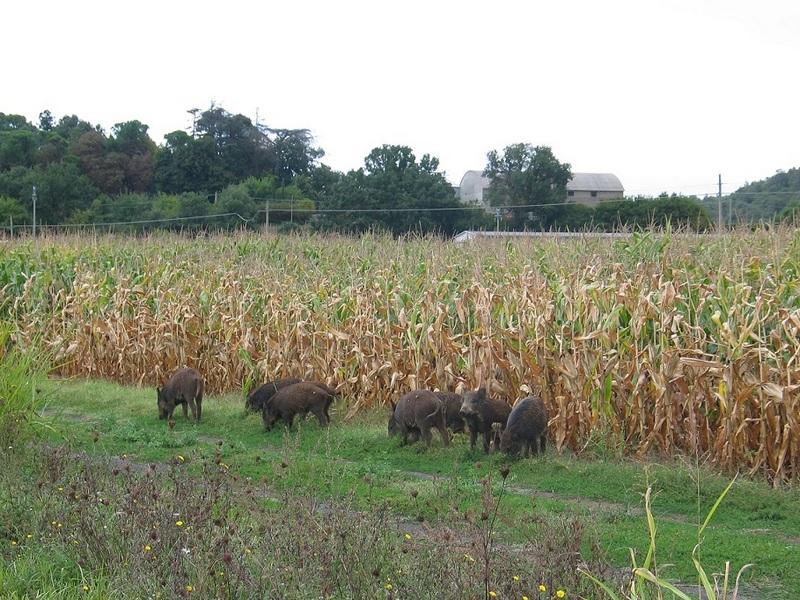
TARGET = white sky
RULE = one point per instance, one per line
(666, 95)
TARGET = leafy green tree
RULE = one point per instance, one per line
(71, 127)
(523, 175)
(17, 148)
(392, 178)
(46, 120)
(294, 153)
(643, 212)
(242, 149)
(12, 209)
(187, 164)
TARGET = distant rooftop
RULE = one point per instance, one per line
(595, 182)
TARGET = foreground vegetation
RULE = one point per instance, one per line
(678, 345)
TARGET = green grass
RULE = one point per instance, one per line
(755, 524)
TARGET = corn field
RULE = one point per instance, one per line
(661, 343)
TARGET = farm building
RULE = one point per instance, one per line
(584, 188)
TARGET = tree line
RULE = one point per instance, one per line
(231, 168)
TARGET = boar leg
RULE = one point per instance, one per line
(543, 442)
(199, 402)
(486, 436)
(426, 435)
(445, 436)
(319, 412)
(185, 407)
(473, 437)
(404, 433)
(193, 406)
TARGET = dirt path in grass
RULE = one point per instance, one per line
(602, 506)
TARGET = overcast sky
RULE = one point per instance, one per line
(666, 95)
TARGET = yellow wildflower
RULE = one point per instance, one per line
(189, 589)
(86, 588)
(561, 594)
(542, 588)
(180, 458)
(408, 536)
(492, 594)
(179, 523)
(13, 542)
(525, 598)
(147, 548)
(468, 558)
(515, 578)
(389, 586)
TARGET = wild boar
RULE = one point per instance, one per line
(297, 399)
(185, 387)
(415, 413)
(526, 428)
(480, 411)
(452, 403)
(259, 396)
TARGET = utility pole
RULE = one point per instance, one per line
(33, 197)
(11, 219)
(193, 112)
(730, 211)
(266, 218)
(497, 219)
(719, 204)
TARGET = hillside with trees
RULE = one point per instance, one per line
(776, 197)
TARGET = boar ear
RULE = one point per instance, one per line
(482, 392)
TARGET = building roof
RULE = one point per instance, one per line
(595, 182)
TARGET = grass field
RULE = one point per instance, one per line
(357, 464)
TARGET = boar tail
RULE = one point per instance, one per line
(441, 411)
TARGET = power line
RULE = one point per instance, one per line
(141, 222)
(245, 220)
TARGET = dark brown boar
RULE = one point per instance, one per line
(297, 399)
(261, 395)
(185, 387)
(415, 413)
(526, 428)
(452, 404)
(480, 411)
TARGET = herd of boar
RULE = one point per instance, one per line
(518, 430)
